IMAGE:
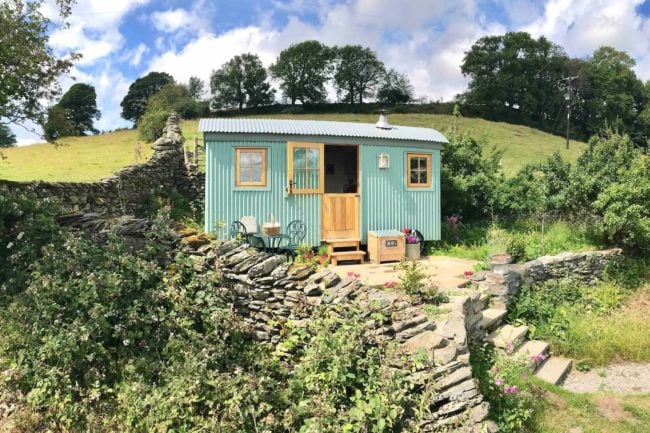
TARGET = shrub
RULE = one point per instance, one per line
(625, 208)
(469, 180)
(516, 247)
(151, 124)
(504, 381)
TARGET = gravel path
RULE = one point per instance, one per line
(616, 378)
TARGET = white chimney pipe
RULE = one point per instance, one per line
(382, 123)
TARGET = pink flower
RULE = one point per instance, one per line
(499, 382)
(406, 230)
(468, 273)
(510, 348)
(511, 389)
(350, 274)
(390, 284)
(495, 371)
(538, 359)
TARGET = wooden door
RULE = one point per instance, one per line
(340, 216)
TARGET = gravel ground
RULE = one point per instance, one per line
(616, 378)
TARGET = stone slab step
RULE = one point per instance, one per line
(492, 317)
(554, 369)
(507, 334)
(451, 283)
(535, 351)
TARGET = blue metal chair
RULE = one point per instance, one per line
(238, 231)
(294, 235)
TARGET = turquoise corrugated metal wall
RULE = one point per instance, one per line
(226, 203)
(386, 202)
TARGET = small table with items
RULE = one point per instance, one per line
(270, 243)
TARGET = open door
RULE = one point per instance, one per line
(340, 205)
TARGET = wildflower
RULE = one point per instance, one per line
(499, 382)
(538, 359)
(390, 284)
(510, 348)
(495, 371)
(511, 389)
(468, 273)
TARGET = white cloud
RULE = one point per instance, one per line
(581, 26)
(208, 52)
(171, 20)
(134, 56)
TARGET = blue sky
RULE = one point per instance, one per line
(426, 39)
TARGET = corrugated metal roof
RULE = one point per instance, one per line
(318, 128)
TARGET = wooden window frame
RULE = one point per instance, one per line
(291, 145)
(429, 158)
(238, 152)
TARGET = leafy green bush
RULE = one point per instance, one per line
(151, 124)
(504, 382)
(469, 180)
(625, 208)
(516, 248)
(26, 226)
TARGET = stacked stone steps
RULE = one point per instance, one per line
(554, 369)
(508, 336)
(491, 318)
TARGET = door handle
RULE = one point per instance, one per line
(290, 189)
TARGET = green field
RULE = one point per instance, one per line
(91, 158)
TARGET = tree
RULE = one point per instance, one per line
(614, 96)
(134, 103)
(30, 69)
(395, 88)
(7, 137)
(241, 81)
(357, 72)
(515, 77)
(80, 101)
(303, 69)
(58, 124)
(196, 87)
(171, 98)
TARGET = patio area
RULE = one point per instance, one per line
(445, 272)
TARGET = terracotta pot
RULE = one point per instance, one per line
(413, 251)
(499, 262)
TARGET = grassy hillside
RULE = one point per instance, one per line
(75, 159)
(94, 157)
(522, 144)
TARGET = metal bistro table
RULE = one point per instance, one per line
(272, 243)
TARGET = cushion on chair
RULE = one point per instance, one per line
(250, 223)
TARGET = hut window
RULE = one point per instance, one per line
(250, 166)
(306, 173)
(418, 170)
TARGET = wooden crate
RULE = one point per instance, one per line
(385, 246)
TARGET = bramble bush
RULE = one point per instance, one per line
(100, 338)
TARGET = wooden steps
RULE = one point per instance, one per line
(344, 250)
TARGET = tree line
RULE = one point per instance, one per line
(519, 79)
(512, 77)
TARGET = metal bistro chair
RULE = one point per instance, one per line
(295, 234)
(238, 231)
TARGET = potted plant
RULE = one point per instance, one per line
(412, 244)
(323, 256)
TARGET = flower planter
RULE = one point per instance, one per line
(499, 262)
(413, 251)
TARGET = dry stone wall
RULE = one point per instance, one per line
(128, 189)
(499, 288)
(268, 291)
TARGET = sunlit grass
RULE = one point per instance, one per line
(93, 157)
(602, 339)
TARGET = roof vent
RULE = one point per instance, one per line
(382, 123)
